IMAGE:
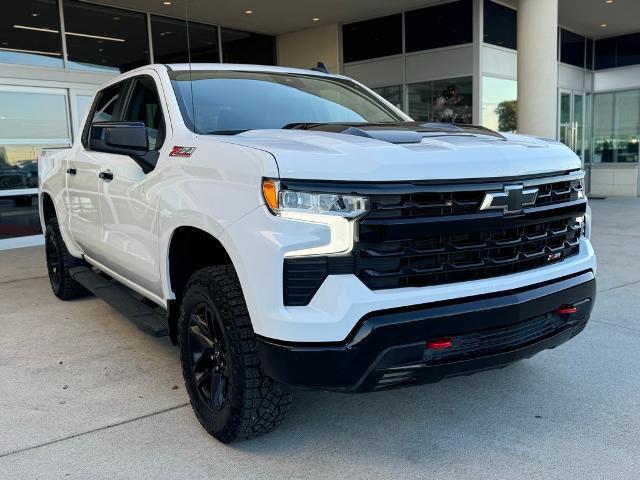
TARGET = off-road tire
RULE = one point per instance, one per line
(254, 403)
(59, 263)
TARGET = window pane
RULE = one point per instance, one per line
(105, 38)
(572, 48)
(616, 126)
(105, 108)
(500, 25)
(605, 56)
(589, 54)
(499, 104)
(441, 100)
(18, 171)
(439, 26)
(392, 94)
(32, 115)
(30, 33)
(378, 37)
(19, 215)
(144, 106)
(628, 50)
(169, 37)
(246, 47)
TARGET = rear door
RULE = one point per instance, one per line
(128, 204)
(83, 168)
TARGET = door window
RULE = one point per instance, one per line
(104, 109)
(144, 106)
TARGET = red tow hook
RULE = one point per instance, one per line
(566, 310)
(439, 343)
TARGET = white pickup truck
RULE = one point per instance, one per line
(297, 230)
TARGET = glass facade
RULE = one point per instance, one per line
(441, 100)
(619, 51)
(379, 37)
(572, 48)
(30, 33)
(500, 25)
(246, 47)
(171, 45)
(499, 104)
(104, 38)
(616, 127)
(439, 26)
(392, 94)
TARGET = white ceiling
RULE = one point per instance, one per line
(281, 16)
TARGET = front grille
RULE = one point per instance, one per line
(457, 257)
(460, 202)
(436, 235)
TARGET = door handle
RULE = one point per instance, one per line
(72, 171)
(107, 175)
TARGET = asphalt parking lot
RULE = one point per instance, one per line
(84, 394)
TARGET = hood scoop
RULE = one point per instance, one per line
(398, 132)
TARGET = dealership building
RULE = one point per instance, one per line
(564, 69)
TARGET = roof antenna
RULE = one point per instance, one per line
(320, 67)
(193, 103)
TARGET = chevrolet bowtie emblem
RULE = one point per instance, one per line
(511, 200)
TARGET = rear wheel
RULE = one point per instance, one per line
(59, 263)
(230, 394)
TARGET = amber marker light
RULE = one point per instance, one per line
(270, 193)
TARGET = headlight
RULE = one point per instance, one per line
(282, 201)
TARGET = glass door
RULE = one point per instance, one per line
(571, 120)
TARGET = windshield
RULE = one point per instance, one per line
(228, 102)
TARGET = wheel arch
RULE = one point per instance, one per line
(189, 249)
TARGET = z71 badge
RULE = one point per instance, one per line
(182, 151)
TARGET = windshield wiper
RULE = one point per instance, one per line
(224, 132)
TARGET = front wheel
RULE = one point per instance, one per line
(230, 394)
(59, 264)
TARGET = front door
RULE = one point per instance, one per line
(128, 206)
(83, 183)
(571, 120)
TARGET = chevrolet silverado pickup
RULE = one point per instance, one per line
(296, 230)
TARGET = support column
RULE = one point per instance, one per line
(538, 67)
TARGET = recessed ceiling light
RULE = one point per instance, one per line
(116, 18)
(603, 25)
(315, 19)
(35, 14)
(608, 1)
(166, 3)
(248, 12)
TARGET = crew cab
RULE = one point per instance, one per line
(299, 231)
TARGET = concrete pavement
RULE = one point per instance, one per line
(84, 394)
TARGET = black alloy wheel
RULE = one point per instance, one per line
(209, 355)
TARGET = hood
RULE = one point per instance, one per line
(354, 153)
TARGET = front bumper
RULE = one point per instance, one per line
(387, 348)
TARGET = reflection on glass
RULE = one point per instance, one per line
(616, 127)
(19, 216)
(104, 38)
(169, 36)
(33, 115)
(439, 26)
(446, 101)
(500, 25)
(378, 37)
(247, 47)
(19, 166)
(392, 94)
(30, 33)
(499, 104)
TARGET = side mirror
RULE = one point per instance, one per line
(123, 138)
